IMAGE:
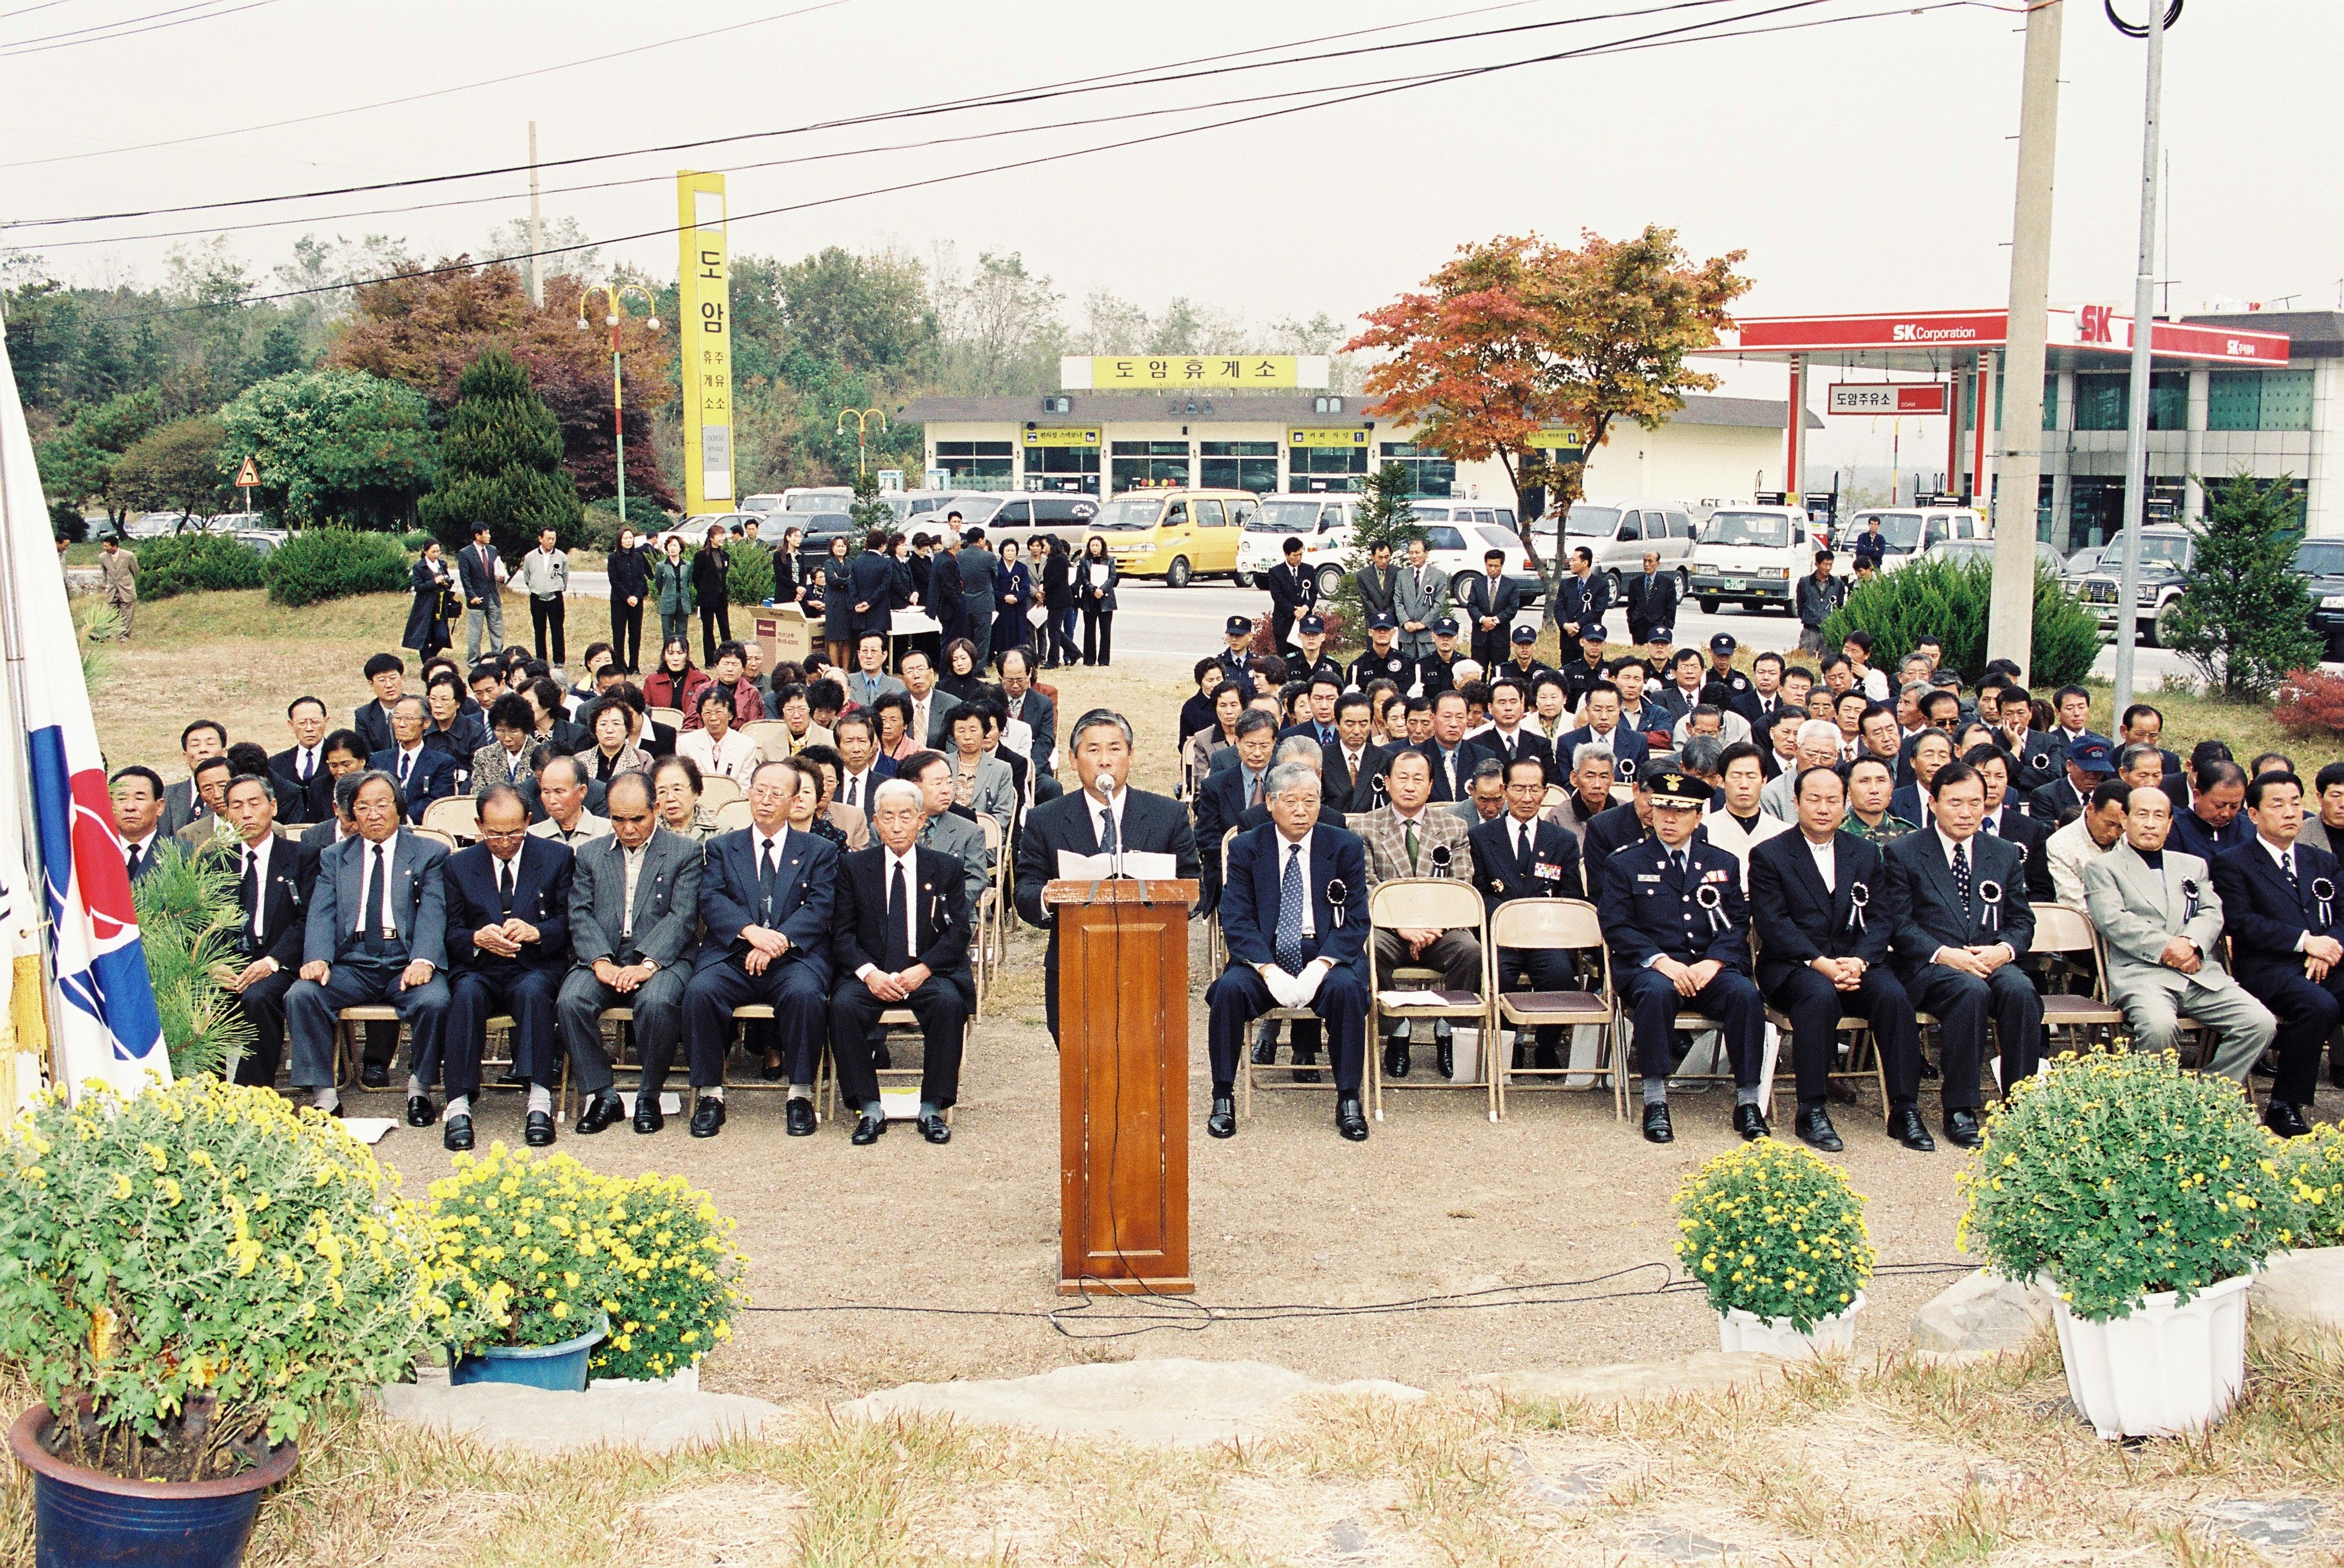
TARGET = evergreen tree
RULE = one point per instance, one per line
(1380, 514)
(502, 463)
(869, 512)
(2245, 619)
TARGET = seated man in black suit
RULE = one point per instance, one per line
(2004, 820)
(509, 939)
(2280, 904)
(1227, 794)
(766, 899)
(1679, 931)
(1105, 816)
(1818, 900)
(1522, 854)
(1294, 915)
(901, 941)
(1962, 921)
(1352, 778)
(1507, 736)
(301, 766)
(273, 881)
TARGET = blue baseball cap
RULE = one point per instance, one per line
(1311, 626)
(1239, 626)
(2092, 754)
(1382, 620)
(1445, 627)
(1525, 633)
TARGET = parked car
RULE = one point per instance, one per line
(1177, 535)
(818, 498)
(768, 500)
(261, 540)
(1754, 555)
(1619, 532)
(1907, 532)
(2321, 562)
(1457, 535)
(2165, 555)
(2081, 564)
(156, 524)
(1322, 522)
(2046, 558)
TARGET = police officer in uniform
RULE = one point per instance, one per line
(1679, 931)
(1383, 660)
(1721, 670)
(1238, 633)
(1300, 667)
(1436, 668)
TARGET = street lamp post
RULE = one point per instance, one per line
(615, 296)
(862, 417)
(2144, 299)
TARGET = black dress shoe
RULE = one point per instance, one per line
(770, 1071)
(1905, 1126)
(1305, 1065)
(1962, 1130)
(868, 1129)
(420, 1111)
(2266, 1066)
(1265, 1049)
(1814, 1128)
(882, 1060)
(647, 1114)
(1750, 1121)
(512, 1078)
(1223, 1122)
(1395, 1062)
(1841, 1090)
(1656, 1125)
(457, 1135)
(1350, 1120)
(376, 1076)
(707, 1118)
(537, 1129)
(605, 1109)
(1444, 1057)
(935, 1129)
(2286, 1120)
(800, 1116)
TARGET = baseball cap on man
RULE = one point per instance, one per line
(1445, 627)
(1525, 633)
(1311, 626)
(2092, 754)
(1723, 643)
(1382, 620)
(1239, 626)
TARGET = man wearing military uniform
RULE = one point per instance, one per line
(1383, 660)
(1309, 661)
(1679, 931)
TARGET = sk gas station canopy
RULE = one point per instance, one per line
(1947, 346)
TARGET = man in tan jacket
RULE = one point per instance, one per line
(117, 572)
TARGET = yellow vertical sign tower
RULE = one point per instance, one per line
(704, 341)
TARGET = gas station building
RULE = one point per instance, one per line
(2259, 393)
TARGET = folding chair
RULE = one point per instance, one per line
(772, 736)
(457, 815)
(2183, 1023)
(717, 792)
(732, 816)
(893, 1021)
(988, 921)
(345, 1039)
(1555, 923)
(437, 835)
(2061, 930)
(1856, 1027)
(672, 717)
(1449, 903)
(1217, 957)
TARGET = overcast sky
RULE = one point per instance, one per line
(1863, 165)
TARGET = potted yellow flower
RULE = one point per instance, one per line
(529, 1247)
(189, 1277)
(1776, 1237)
(674, 1293)
(2145, 1196)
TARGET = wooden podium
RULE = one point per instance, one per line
(1123, 1086)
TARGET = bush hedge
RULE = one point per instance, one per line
(1952, 600)
(189, 563)
(749, 580)
(321, 563)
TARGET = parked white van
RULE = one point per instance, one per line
(1906, 531)
(1755, 555)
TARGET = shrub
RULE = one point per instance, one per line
(415, 538)
(1775, 1231)
(2309, 703)
(1952, 600)
(2117, 1175)
(321, 563)
(68, 523)
(192, 563)
(501, 460)
(187, 920)
(1380, 515)
(749, 580)
(2314, 1169)
(2245, 618)
(676, 1302)
(211, 1268)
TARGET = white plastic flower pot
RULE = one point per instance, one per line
(1741, 1330)
(684, 1381)
(2164, 1370)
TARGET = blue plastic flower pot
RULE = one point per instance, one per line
(82, 1518)
(561, 1366)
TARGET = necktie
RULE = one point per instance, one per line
(898, 954)
(2287, 863)
(1962, 873)
(1253, 789)
(1523, 847)
(854, 787)
(248, 892)
(1448, 764)
(1412, 846)
(505, 887)
(403, 759)
(131, 865)
(1108, 845)
(1290, 913)
(308, 762)
(765, 882)
(371, 893)
(1677, 864)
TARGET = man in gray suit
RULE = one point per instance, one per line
(2158, 911)
(377, 935)
(1419, 597)
(946, 829)
(634, 904)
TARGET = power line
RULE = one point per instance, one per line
(12, 51)
(1663, 38)
(28, 10)
(1155, 76)
(108, 26)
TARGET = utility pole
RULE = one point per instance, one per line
(2144, 329)
(2019, 457)
(536, 226)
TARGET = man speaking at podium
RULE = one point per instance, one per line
(1105, 818)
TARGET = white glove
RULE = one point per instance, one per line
(1283, 986)
(1306, 985)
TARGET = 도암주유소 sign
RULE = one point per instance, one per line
(1889, 398)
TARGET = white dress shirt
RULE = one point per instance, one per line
(2284, 858)
(306, 761)
(1826, 855)
(255, 861)
(1113, 806)
(390, 847)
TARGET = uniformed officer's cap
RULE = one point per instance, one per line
(1525, 633)
(1591, 632)
(1723, 643)
(1678, 786)
(1445, 627)
(1655, 766)
(1382, 620)
(1312, 626)
(1239, 626)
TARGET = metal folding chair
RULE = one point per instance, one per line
(1554, 924)
(1448, 904)
(457, 815)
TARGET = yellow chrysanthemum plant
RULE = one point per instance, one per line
(1771, 1230)
(2117, 1174)
(2313, 1168)
(203, 1269)
(546, 1249)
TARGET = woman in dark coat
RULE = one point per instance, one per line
(710, 572)
(629, 569)
(870, 595)
(1057, 605)
(1009, 623)
(786, 566)
(427, 619)
(1094, 577)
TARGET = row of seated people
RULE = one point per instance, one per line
(643, 906)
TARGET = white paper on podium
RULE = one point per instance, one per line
(1146, 866)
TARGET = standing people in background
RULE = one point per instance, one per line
(1490, 603)
(786, 588)
(1652, 602)
(480, 573)
(1818, 595)
(868, 601)
(630, 569)
(1377, 584)
(1059, 605)
(545, 578)
(1095, 592)
(672, 584)
(980, 590)
(117, 576)
(427, 619)
(1009, 623)
(1581, 597)
(1293, 591)
(1419, 598)
(711, 587)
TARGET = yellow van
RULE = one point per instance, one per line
(1176, 534)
